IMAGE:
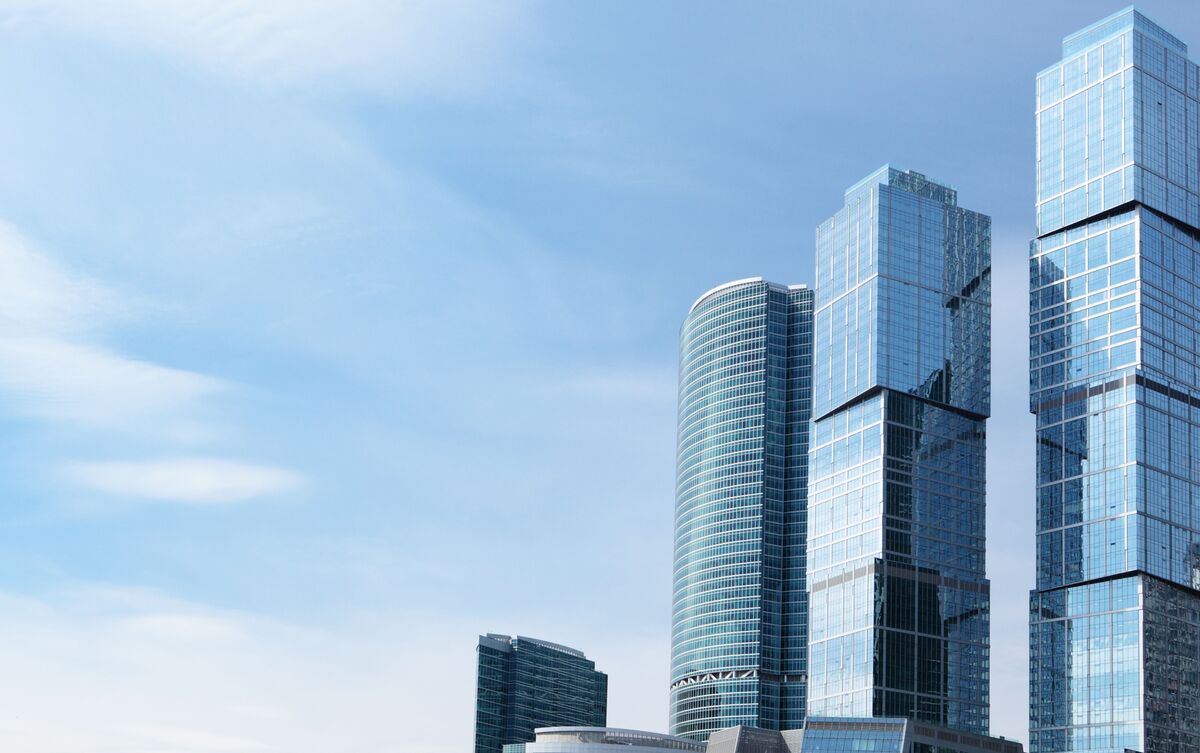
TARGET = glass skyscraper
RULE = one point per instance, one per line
(1114, 336)
(898, 597)
(526, 683)
(739, 640)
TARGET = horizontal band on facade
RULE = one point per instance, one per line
(878, 389)
(903, 571)
(729, 674)
(1136, 572)
(1084, 391)
(737, 674)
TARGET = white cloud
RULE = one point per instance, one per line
(40, 297)
(182, 627)
(83, 674)
(194, 480)
(440, 47)
(61, 380)
(51, 363)
(53, 367)
(170, 738)
(97, 669)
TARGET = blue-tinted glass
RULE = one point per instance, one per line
(740, 641)
(898, 601)
(1116, 123)
(1113, 381)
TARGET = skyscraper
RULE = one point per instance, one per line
(1115, 619)
(739, 636)
(526, 683)
(898, 601)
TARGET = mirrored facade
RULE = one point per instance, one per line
(901, 389)
(1114, 654)
(739, 633)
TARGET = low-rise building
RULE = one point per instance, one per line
(602, 740)
(849, 734)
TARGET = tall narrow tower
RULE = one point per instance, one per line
(1114, 337)
(739, 638)
(898, 599)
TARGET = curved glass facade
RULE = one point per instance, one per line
(603, 740)
(739, 635)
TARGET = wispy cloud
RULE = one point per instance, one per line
(189, 480)
(173, 738)
(56, 379)
(102, 668)
(40, 297)
(447, 47)
(95, 669)
(53, 363)
(183, 627)
(55, 366)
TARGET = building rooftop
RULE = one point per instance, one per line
(906, 180)
(508, 640)
(737, 283)
(1119, 23)
(615, 736)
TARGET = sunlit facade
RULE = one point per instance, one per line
(1114, 337)
(898, 598)
(739, 640)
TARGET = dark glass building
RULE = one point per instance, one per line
(1114, 383)
(525, 683)
(898, 599)
(739, 633)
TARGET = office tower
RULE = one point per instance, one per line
(739, 617)
(1115, 619)
(898, 601)
(526, 683)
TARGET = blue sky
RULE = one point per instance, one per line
(334, 334)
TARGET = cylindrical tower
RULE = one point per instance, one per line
(739, 638)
